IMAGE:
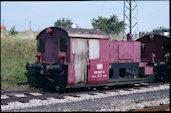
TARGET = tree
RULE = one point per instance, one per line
(111, 25)
(156, 31)
(63, 22)
(13, 31)
(160, 30)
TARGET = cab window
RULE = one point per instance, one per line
(142, 48)
(63, 44)
(42, 46)
(165, 47)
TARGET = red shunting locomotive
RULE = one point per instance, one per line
(71, 57)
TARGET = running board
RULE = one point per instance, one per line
(113, 82)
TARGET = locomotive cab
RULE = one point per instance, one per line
(52, 45)
(52, 56)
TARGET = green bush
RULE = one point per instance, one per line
(14, 55)
(13, 31)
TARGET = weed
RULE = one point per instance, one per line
(138, 101)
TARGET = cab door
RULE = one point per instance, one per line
(80, 59)
(98, 68)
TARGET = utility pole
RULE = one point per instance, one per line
(130, 18)
(3, 22)
(30, 25)
(124, 20)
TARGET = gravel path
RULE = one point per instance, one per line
(113, 101)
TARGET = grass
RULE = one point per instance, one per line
(15, 52)
(138, 101)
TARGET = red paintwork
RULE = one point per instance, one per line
(110, 51)
(142, 64)
(63, 56)
(137, 51)
(49, 30)
(129, 36)
(168, 57)
(104, 50)
(148, 70)
(95, 75)
(71, 72)
(39, 57)
(124, 51)
(153, 46)
(71, 76)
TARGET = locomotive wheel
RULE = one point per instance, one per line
(60, 84)
(58, 81)
(60, 89)
(162, 74)
(43, 82)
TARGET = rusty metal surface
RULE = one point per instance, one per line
(155, 108)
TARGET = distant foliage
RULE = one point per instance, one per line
(63, 22)
(154, 31)
(160, 30)
(110, 25)
(13, 31)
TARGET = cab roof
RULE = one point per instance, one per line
(81, 33)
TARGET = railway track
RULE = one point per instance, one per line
(25, 95)
(164, 107)
(21, 91)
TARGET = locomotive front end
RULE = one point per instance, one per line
(52, 58)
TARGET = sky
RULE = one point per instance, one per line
(151, 14)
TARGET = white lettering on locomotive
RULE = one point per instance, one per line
(99, 72)
(99, 66)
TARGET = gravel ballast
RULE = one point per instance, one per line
(112, 101)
